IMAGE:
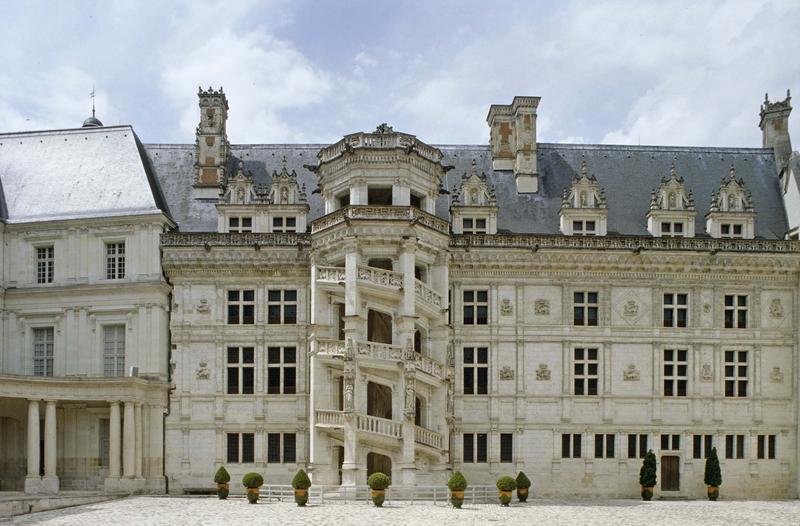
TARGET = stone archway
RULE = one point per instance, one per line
(378, 463)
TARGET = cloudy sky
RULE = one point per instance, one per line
(676, 73)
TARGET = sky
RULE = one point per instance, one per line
(687, 73)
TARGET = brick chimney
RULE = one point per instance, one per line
(513, 140)
(774, 126)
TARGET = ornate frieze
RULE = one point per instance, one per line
(631, 373)
(506, 373)
(543, 372)
(380, 213)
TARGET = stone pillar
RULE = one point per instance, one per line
(137, 469)
(50, 480)
(114, 446)
(405, 396)
(33, 480)
(129, 442)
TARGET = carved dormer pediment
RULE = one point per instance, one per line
(474, 205)
(732, 211)
(240, 189)
(285, 189)
(672, 211)
(584, 209)
(584, 193)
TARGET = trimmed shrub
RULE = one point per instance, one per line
(712, 475)
(379, 481)
(523, 481)
(457, 482)
(506, 483)
(301, 480)
(252, 480)
(647, 475)
(222, 476)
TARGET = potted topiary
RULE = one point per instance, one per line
(301, 483)
(252, 481)
(457, 485)
(222, 478)
(647, 475)
(506, 486)
(713, 476)
(523, 483)
(378, 482)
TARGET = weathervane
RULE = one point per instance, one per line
(92, 94)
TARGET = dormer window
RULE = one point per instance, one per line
(474, 206)
(672, 229)
(584, 211)
(473, 225)
(731, 214)
(284, 224)
(731, 231)
(240, 224)
(672, 209)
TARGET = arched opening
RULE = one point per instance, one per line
(384, 263)
(379, 327)
(379, 400)
(419, 407)
(377, 463)
(381, 196)
(418, 341)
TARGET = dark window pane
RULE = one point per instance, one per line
(248, 355)
(579, 387)
(576, 446)
(289, 448)
(247, 380)
(668, 298)
(289, 295)
(483, 315)
(592, 386)
(696, 446)
(742, 389)
(469, 355)
(668, 388)
(761, 447)
(681, 387)
(289, 355)
(598, 446)
(233, 355)
(248, 295)
(233, 380)
(728, 446)
(290, 314)
(483, 355)
(274, 295)
(592, 297)
(683, 299)
(469, 457)
(469, 380)
(610, 446)
(469, 318)
(739, 446)
(579, 354)
(665, 442)
(469, 296)
(729, 301)
(233, 295)
(273, 447)
(565, 445)
(577, 297)
(481, 447)
(631, 446)
(578, 316)
(741, 318)
(233, 448)
(668, 318)
(708, 443)
(483, 380)
(729, 387)
(273, 355)
(233, 314)
(771, 450)
(483, 295)
(248, 447)
(592, 316)
(592, 354)
(681, 317)
(248, 314)
(273, 380)
(506, 447)
(274, 314)
(289, 380)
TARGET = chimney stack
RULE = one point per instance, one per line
(513, 140)
(774, 126)
(211, 145)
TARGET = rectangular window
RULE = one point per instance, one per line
(670, 442)
(289, 448)
(584, 228)
(676, 309)
(585, 371)
(670, 229)
(115, 260)
(114, 350)
(675, 372)
(284, 224)
(731, 231)
(604, 446)
(506, 447)
(702, 446)
(281, 370)
(476, 370)
(289, 442)
(585, 308)
(735, 311)
(766, 447)
(476, 307)
(43, 351)
(240, 224)
(274, 448)
(45, 264)
(241, 448)
(736, 373)
(282, 307)
(475, 449)
(103, 441)
(633, 441)
(241, 370)
(570, 445)
(241, 307)
(734, 446)
(473, 226)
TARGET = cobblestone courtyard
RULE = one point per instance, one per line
(210, 511)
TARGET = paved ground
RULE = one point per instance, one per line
(174, 511)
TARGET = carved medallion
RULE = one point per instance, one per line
(542, 372)
(776, 308)
(506, 373)
(776, 376)
(630, 309)
(203, 307)
(631, 373)
(506, 309)
(706, 375)
(203, 373)
(541, 307)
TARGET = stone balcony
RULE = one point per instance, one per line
(373, 425)
(352, 213)
(428, 300)
(389, 354)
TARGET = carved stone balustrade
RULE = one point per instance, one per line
(331, 274)
(379, 426)
(213, 239)
(427, 294)
(333, 348)
(432, 367)
(379, 276)
(326, 418)
(427, 437)
(380, 213)
(379, 351)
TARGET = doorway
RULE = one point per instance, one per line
(379, 463)
(379, 400)
(670, 473)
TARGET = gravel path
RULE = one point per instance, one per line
(175, 511)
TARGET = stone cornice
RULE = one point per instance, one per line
(214, 239)
(380, 213)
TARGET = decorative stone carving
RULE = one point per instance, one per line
(543, 372)
(410, 402)
(204, 307)
(349, 388)
(541, 307)
(706, 374)
(631, 373)
(506, 308)
(631, 308)
(706, 308)
(776, 308)
(776, 376)
(203, 373)
(506, 373)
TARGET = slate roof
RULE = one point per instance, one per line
(72, 174)
(627, 173)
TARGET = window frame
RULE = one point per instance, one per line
(506, 447)
(243, 442)
(673, 308)
(115, 255)
(45, 264)
(283, 306)
(581, 227)
(702, 444)
(583, 307)
(45, 353)
(280, 224)
(239, 227)
(241, 366)
(474, 227)
(638, 443)
(118, 354)
(478, 448)
(736, 313)
(674, 383)
(477, 305)
(737, 385)
(277, 448)
(241, 304)
(476, 369)
(604, 445)
(766, 446)
(282, 366)
(571, 445)
(582, 361)
(734, 447)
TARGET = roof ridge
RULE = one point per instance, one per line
(71, 131)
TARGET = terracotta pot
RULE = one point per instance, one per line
(457, 498)
(647, 493)
(522, 494)
(252, 495)
(301, 496)
(505, 497)
(713, 492)
(378, 496)
(223, 490)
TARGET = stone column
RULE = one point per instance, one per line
(129, 442)
(114, 446)
(33, 480)
(405, 396)
(138, 450)
(50, 481)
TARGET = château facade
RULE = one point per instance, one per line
(384, 304)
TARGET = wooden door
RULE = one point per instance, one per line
(670, 473)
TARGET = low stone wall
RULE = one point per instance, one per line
(21, 504)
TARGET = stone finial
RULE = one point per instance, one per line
(383, 128)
